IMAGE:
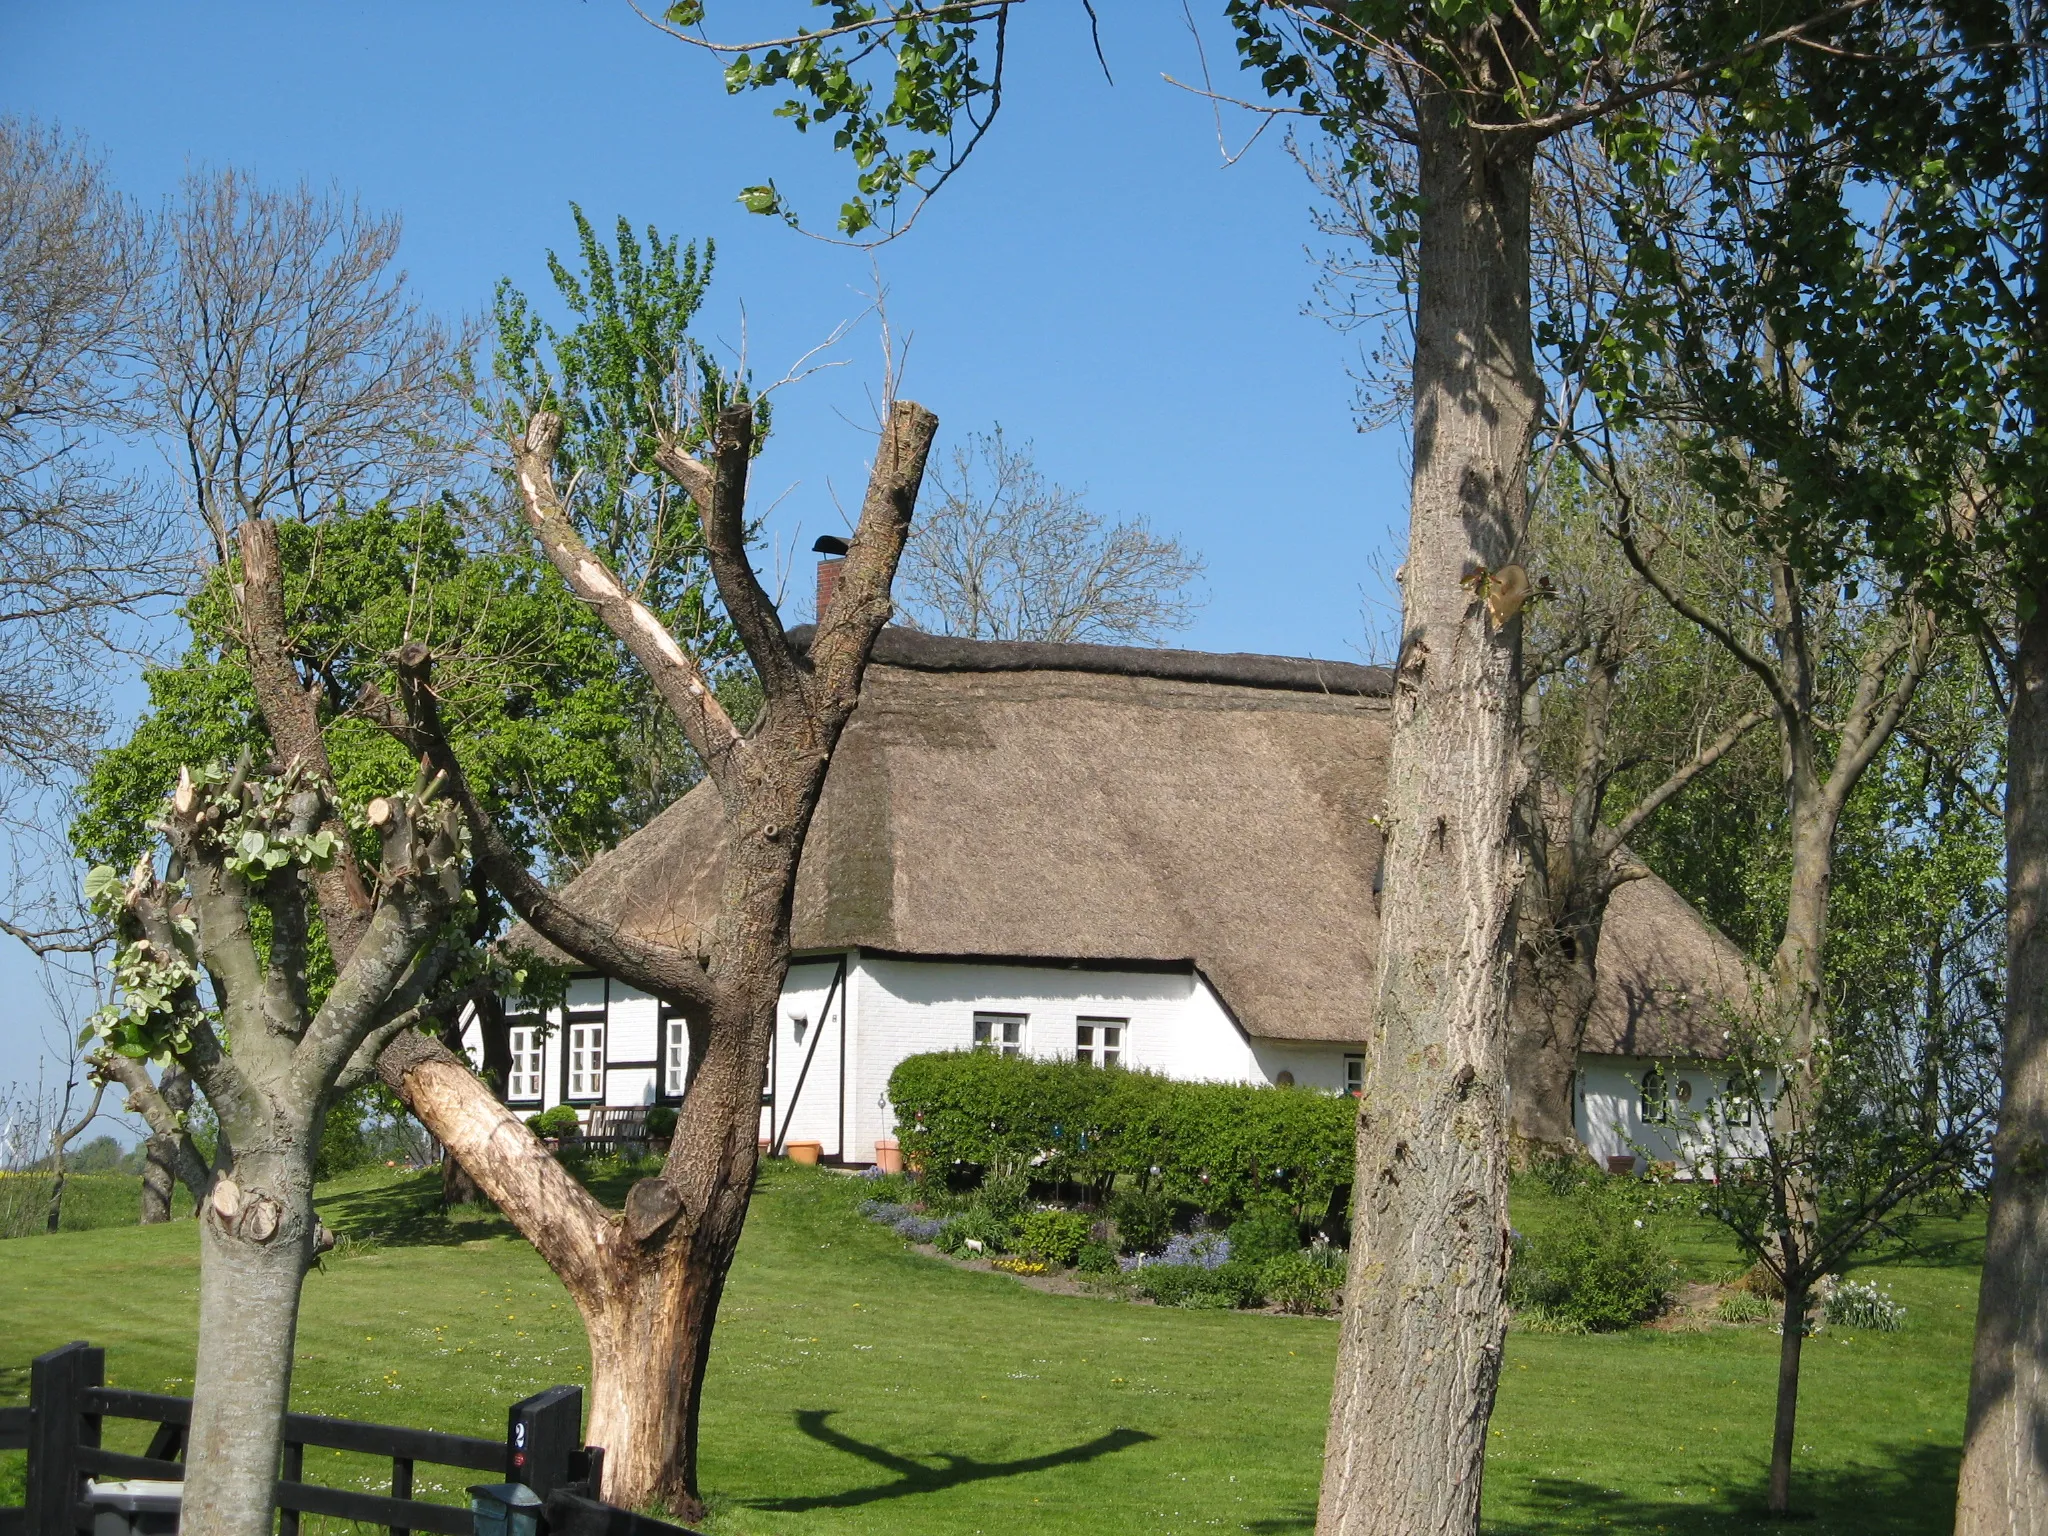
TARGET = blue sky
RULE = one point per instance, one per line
(1095, 280)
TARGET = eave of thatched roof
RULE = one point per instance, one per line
(1097, 803)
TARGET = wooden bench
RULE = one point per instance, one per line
(616, 1126)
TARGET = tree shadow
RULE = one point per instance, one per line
(913, 1476)
(1911, 1490)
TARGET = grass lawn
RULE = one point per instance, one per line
(860, 1387)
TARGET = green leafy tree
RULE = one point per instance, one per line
(625, 377)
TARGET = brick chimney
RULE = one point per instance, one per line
(834, 551)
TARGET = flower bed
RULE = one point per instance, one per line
(1259, 1261)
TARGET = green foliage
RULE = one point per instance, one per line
(558, 1122)
(1298, 1282)
(343, 1147)
(1264, 1232)
(661, 1122)
(995, 1233)
(533, 691)
(1231, 1284)
(1054, 1236)
(1744, 1307)
(1144, 1219)
(626, 376)
(1215, 1146)
(1602, 1267)
(1096, 1258)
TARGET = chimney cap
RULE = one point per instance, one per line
(829, 544)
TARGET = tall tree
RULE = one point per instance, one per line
(87, 550)
(1443, 109)
(1005, 554)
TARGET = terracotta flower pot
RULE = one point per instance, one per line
(889, 1155)
(804, 1151)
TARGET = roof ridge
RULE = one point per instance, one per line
(915, 650)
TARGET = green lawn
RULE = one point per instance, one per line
(860, 1387)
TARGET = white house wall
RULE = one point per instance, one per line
(805, 1105)
(1608, 1108)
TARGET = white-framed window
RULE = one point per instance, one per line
(675, 1056)
(586, 1058)
(1002, 1033)
(1100, 1042)
(1354, 1075)
(523, 1082)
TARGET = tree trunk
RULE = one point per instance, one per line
(159, 1179)
(1424, 1315)
(646, 1402)
(255, 1245)
(2004, 1483)
(1547, 1011)
(1779, 1497)
(55, 1216)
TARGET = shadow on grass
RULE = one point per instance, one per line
(406, 1211)
(1912, 1490)
(913, 1476)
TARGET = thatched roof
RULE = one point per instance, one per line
(1099, 803)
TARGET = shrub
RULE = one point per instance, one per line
(1264, 1232)
(1193, 1285)
(661, 1122)
(1005, 1196)
(1600, 1267)
(560, 1121)
(1096, 1258)
(1055, 1236)
(1144, 1220)
(1298, 1282)
(1859, 1304)
(1743, 1307)
(1216, 1146)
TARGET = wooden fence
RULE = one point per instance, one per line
(69, 1399)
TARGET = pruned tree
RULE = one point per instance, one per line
(196, 989)
(648, 1286)
(1004, 554)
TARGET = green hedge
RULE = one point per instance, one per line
(1216, 1146)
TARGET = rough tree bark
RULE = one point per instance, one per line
(648, 1285)
(1423, 1310)
(2004, 1482)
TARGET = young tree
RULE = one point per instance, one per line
(1003, 554)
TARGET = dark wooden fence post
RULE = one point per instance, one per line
(58, 1426)
(542, 1432)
